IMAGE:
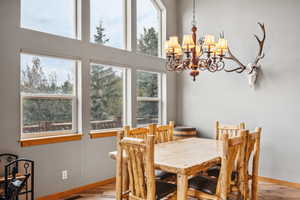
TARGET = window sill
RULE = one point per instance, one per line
(49, 140)
(104, 133)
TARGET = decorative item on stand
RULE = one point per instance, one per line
(208, 55)
(18, 178)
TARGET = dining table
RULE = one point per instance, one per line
(185, 157)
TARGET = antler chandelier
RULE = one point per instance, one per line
(206, 54)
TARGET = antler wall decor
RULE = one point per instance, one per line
(253, 67)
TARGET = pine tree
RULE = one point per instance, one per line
(35, 80)
(106, 93)
(148, 42)
(106, 87)
(100, 36)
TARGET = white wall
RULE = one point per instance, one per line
(87, 160)
(226, 97)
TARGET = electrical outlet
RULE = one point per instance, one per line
(64, 175)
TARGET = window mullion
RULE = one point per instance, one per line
(132, 25)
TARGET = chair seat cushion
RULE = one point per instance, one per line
(215, 171)
(161, 175)
(203, 184)
(184, 128)
(163, 189)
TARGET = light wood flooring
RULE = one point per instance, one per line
(267, 192)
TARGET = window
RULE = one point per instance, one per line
(107, 22)
(48, 95)
(148, 27)
(106, 93)
(149, 98)
(50, 16)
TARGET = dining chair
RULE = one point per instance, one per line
(141, 132)
(232, 130)
(140, 165)
(252, 151)
(219, 188)
(164, 133)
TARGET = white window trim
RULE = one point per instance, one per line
(125, 110)
(82, 81)
(158, 5)
(158, 99)
(73, 97)
(77, 21)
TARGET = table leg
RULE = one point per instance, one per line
(119, 184)
(254, 187)
(182, 186)
(125, 179)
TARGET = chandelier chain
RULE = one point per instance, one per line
(194, 13)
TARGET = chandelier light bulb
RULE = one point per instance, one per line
(222, 44)
(188, 42)
(173, 42)
(168, 49)
(209, 40)
(178, 51)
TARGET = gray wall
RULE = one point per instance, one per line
(274, 105)
(87, 160)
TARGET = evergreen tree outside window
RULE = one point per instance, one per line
(148, 98)
(106, 94)
(107, 22)
(148, 27)
(48, 95)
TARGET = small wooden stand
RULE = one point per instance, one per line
(182, 132)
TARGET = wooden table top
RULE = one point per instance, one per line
(186, 155)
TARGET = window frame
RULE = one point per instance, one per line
(73, 97)
(77, 22)
(125, 22)
(160, 10)
(124, 95)
(158, 99)
(82, 77)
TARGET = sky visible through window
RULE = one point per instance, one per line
(63, 69)
(147, 16)
(51, 16)
(58, 17)
(110, 14)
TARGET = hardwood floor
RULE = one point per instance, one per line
(267, 191)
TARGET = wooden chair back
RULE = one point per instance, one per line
(231, 130)
(233, 150)
(141, 132)
(252, 151)
(140, 165)
(164, 133)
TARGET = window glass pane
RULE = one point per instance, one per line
(148, 27)
(50, 16)
(147, 112)
(106, 97)
(107, 22)
(47, 75)
(47, 91)
(41, 115)
(147, 84)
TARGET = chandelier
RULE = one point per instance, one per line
(205, 54)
